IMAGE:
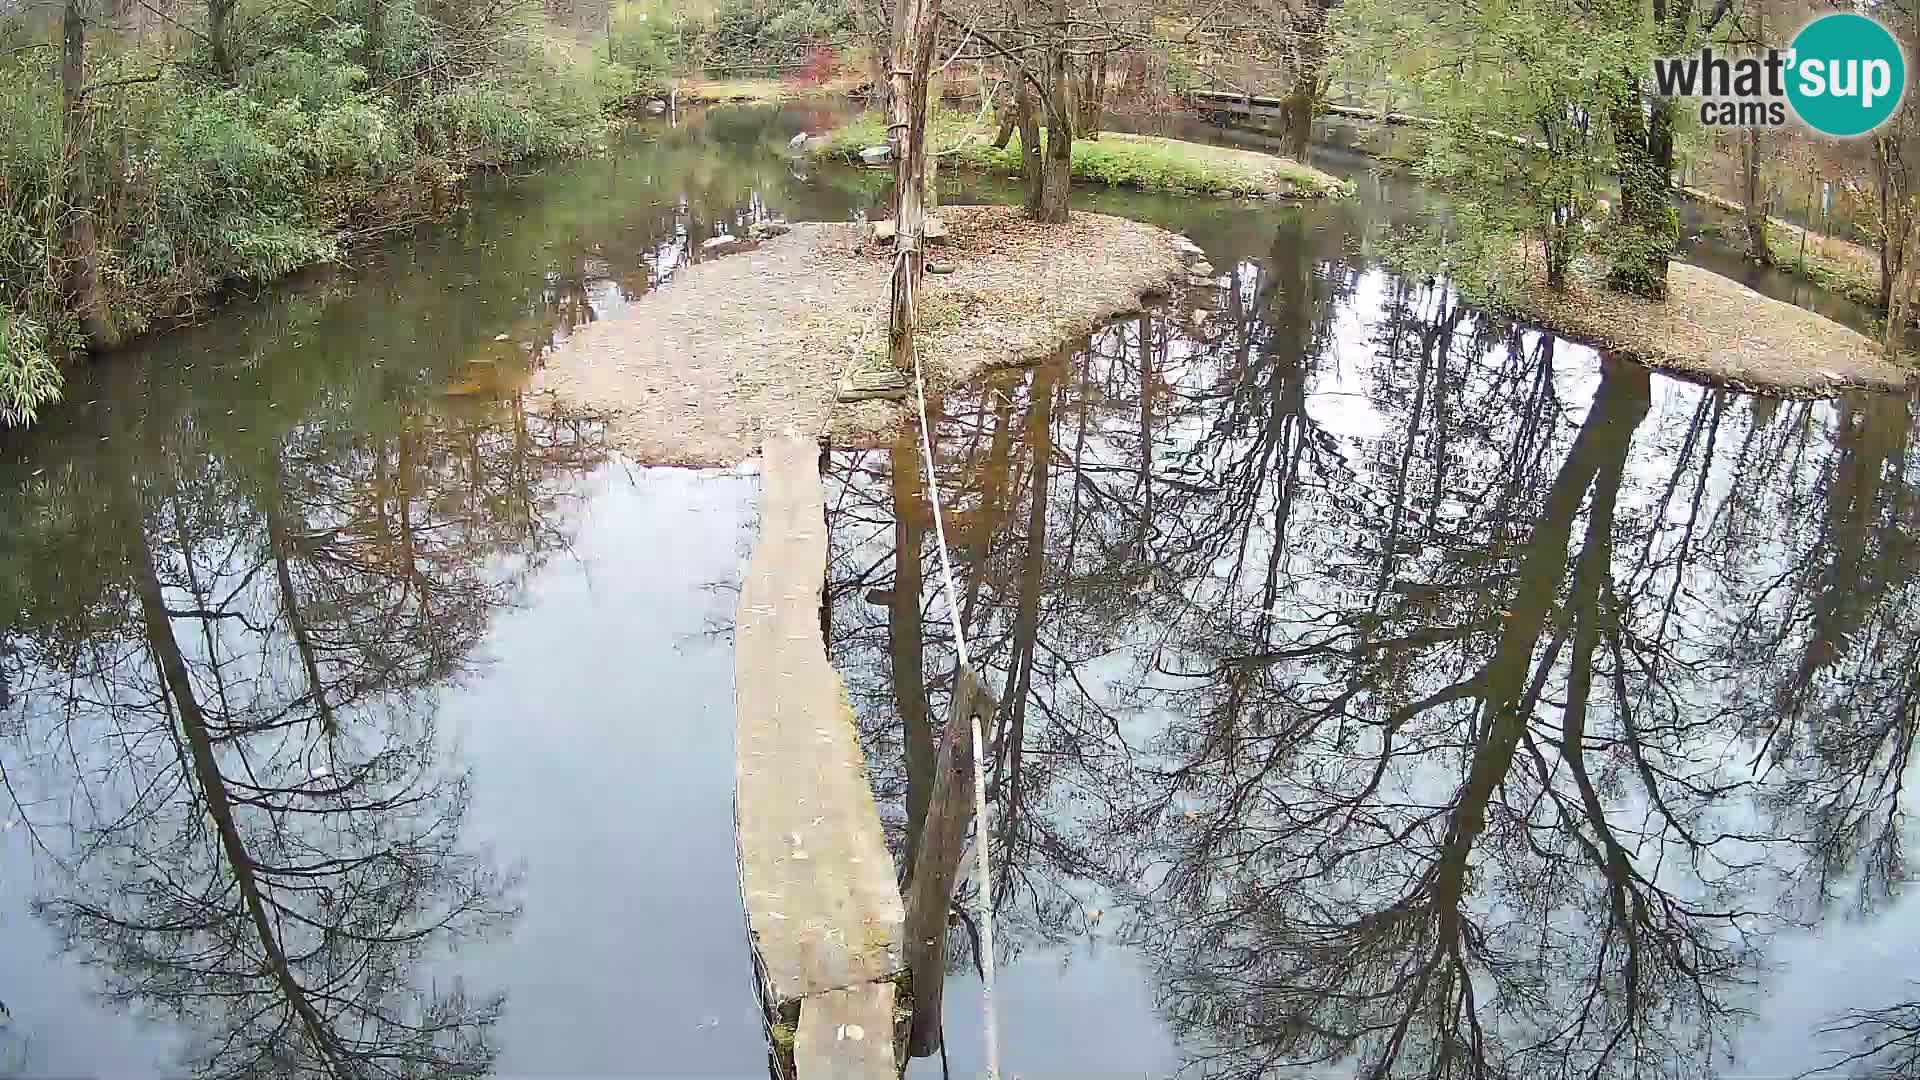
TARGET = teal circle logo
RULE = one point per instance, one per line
(1846, 74)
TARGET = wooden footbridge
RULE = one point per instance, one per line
(825, 917)
(1233, 104)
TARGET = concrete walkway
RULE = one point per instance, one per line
(823, 912)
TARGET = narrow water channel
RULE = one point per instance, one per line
(356, 706)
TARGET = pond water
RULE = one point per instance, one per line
(1393, 683)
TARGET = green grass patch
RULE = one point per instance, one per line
(1849, 269)
(1835, 264)
(765, 91)
(1147, 162)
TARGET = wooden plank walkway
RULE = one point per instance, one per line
(823, 911)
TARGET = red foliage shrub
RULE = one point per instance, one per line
(820, 66)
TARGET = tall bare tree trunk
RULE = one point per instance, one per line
(935, 866)
(219, 37)
(913, 26)
(929, 186)
(903, 634)
(281, 543)
(1755, 213)
(1005, 114)
(1033, 569)
(80, 247)
(1058, 168)
(1133, 77)
(1030, 167)
(1899, 307)
(1299, 116)
(376, 39)
(1890, 167)
(1092, 99)
(1143, 487)
(1307, 57)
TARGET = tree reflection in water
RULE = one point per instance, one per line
(229, 608)
(228, 654)
(1432, 697)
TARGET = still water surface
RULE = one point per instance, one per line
(1394, 684)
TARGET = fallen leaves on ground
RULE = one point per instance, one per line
(1713, 328)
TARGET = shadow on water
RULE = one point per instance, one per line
(1394, 687)
(1386, 683)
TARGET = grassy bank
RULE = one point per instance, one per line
(206, 178)
(1850, 269)
(1840, 266)
(765, 91)
(1138, 161)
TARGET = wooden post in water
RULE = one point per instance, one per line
(937, 859)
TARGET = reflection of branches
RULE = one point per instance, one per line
(1467, 708)
(286, 941)
(1888, 1039)
(267, 842)
(1344, 910)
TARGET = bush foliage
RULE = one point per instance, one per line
(204, 182)
(727, 35)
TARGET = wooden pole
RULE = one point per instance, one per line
(1898, 304)
(937, 860)
(913, 28)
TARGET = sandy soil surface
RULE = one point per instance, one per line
(737, 347)
(1714, 329)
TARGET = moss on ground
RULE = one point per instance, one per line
(1138, 161)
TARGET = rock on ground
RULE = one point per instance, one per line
(698, 371)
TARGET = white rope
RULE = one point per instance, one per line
(983, 887)
(956, 53)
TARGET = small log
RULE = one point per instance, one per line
(937, 859)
